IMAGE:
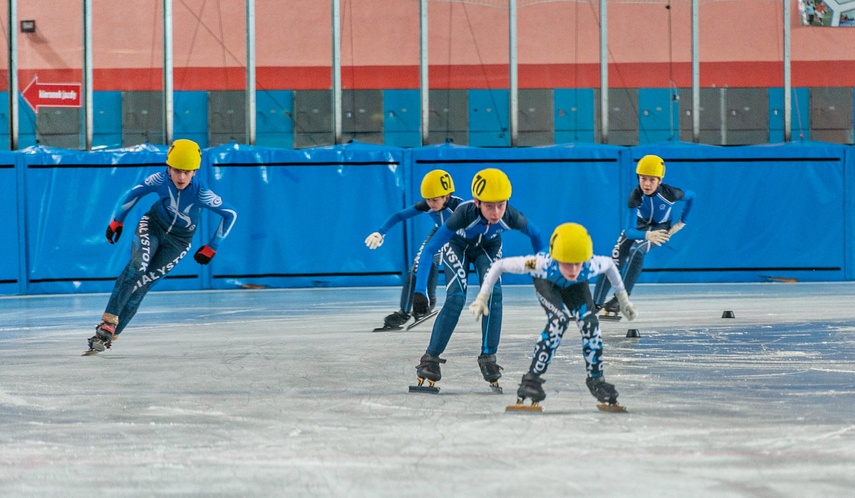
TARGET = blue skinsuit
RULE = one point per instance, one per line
(163, 236)
(467, 238)
(647, 212)
(439, 218)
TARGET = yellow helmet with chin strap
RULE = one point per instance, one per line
(437, 183)
(491, 185)
(651, 165)
(184, 154)
(570, 243)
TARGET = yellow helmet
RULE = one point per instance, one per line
(491, 185)
(184, 154)
(651, 165)
(570, 243)
(437, 183)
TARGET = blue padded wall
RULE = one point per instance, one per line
(762, 212)
(9, 223)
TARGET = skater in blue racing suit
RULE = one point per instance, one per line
(561, 282)
(649, 223)
(163, 235)
(437, 188)
(471, 235)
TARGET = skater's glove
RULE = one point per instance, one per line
(657, 237)
(676, 227)
(626, 306)
(479, 306)
(204, 255)
(374, 240)
(421, 304)
(114, 231)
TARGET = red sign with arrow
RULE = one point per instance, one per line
(51, 94)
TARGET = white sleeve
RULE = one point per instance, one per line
(519, 265)
(603, 264)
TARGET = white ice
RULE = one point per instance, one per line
(289, 393)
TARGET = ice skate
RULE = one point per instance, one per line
(428, 370)
(395, 321)
(491, 371)
(605, 393)
(531, 387)
(105, 334)
(419, 319)
(611, 310)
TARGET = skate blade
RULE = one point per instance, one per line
(424, 389)
(519, 407)
(387, 329)
(423, 319)
(613, 408)
(90, 352)
(496, 388)
(610, 318)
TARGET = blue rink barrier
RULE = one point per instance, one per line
(775, 212)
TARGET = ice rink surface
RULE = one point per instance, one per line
(290, 393)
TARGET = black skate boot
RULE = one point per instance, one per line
(612, 310)
(105, 334)
(531, 387)
(419, 318)
(428, 370)
(395, 321)
(605, 393)
(491, 371)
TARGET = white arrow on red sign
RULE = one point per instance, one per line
(51, 94)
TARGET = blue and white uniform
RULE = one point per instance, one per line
(163, 236)
(439, 218)
(562, 300)
(646, 213)
(467, 238)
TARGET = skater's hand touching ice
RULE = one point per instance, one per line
(676, 227)
(421, 304)
(479, 306)
(374, 240)
(626, 306)
(657, 237)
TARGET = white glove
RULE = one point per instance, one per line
(626, 306)
(676, 227)
(657, 237)
(374, 240)
(479, 306)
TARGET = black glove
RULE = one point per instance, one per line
(421, 305)
(204, 255)
(114, 231)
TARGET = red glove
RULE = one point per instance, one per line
(114, 231)
(204, 255)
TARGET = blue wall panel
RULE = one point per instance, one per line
(303, 215)
(9, 258)
(274, 122)
(658, 115)
(488, 118)
(107, 119)
(800, 123)
(402, 118)
(191, 116)
(574, 115)
(761, 212)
